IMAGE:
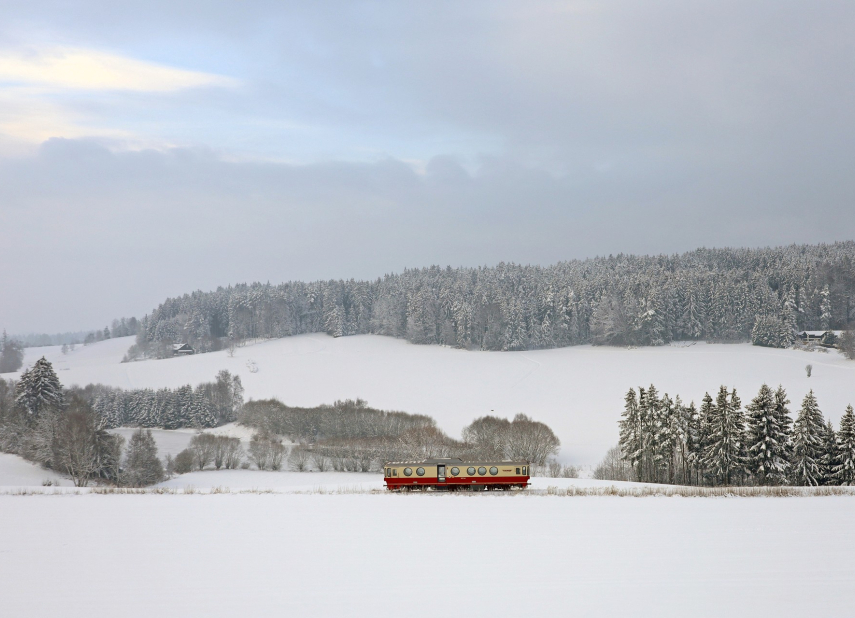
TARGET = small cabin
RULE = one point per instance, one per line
(825, 338)
(182, 349)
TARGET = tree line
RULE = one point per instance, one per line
(61, 430)
(209, 404)
(707, 294)
(721, 443)
(351, 436)
(67, 430)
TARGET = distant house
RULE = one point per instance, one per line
(825, 338)
(182, 349)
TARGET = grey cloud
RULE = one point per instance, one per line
(427, 133)
(91, 234)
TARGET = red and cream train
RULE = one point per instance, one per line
(456, 474)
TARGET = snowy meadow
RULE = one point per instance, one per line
(399, 555)
(578, 391)
(224, 542)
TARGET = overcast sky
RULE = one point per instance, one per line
(149, 149)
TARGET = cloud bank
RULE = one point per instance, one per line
(147, 149)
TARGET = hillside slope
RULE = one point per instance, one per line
(578, 390)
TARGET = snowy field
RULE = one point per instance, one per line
(421, 555)
(578, 391)
(313, 546)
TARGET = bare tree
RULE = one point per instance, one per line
(847, 344)
(614, 467)
(75, 447)
(320, 461)
(183, 462)
(204, 449)
(299, 458)
(808, 370)
(233, 453)
(531, 440)
(267, 451)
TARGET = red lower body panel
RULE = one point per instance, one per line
(455, 482)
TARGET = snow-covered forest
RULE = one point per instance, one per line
(707, 294)
(720, 443)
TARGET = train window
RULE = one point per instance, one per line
(420, 471)
(494, 470)
(470, 471)
(518, 470)
(455, 471)
(408, 471)
(394, 472)
(482, 470)
(524, 470)
(388, 472)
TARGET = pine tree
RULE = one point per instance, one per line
(705, 417)
(631, 438)
(825, 310)
(38, 390)
(829, 460)
(844, 471)
(766, 439)
(11, 354)
(808, 444)
(724, 452)
(142, 466)
(648, 404)
(694, 433)
(785, 422)
(201, 413)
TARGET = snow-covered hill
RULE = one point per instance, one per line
(578, 391)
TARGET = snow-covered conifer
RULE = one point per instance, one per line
(11, 354)
(825, 316)
(829, 460)
(38, 390)
(844, 471)
(766, 439)
(631, 438)
(142, 466)
(808, 432)
(724, 452)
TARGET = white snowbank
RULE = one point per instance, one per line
(16, 471)
(422, 555)
(578, 391)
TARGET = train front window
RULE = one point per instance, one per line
(524, 470)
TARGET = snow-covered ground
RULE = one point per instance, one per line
(422, 555)
(15, 471)
(578, 391)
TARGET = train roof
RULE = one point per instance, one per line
(453, 462)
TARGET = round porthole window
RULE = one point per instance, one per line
(470, 471)
(482, 470)
(494, 470)
(455, 471)
(408, 471)
(420, 471)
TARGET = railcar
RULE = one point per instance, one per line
(456, 474)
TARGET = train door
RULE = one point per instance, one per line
(440, 473)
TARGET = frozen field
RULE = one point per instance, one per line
(400, 555)
(578, 391)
